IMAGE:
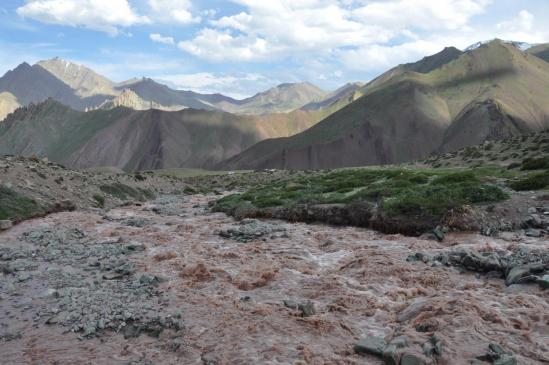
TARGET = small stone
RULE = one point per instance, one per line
(428, 348)
(5, 224)
(371, 345)
(532, 210)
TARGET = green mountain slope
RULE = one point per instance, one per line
(491, 92)
(540, 51)
(136, 140)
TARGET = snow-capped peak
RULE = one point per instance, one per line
(523, 46)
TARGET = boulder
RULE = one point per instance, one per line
(413, 359)
(523, 274)
(371, 345)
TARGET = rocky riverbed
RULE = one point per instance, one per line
(168, 282)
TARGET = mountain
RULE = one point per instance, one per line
(345, 92)
(283, 98)
(137, 140)
(491, 92)
(130, 99)
(33, 84)
(8, 103)
(80, 78)
(151, 90)
(540, 51)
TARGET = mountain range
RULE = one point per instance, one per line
(441, 103)
(82, 89)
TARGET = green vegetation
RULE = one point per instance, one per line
(100, 199)
(535, 181)
(17, 207)
(536, 163)
(419, 193)
(125, 192)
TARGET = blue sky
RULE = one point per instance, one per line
(240, 47)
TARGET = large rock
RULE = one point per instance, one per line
(524, 274)
(371, 345)
(413, 359)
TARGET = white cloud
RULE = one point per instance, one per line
(102, 15)
(280, 28)
(155, 37)
(173, 11)
(235, 85)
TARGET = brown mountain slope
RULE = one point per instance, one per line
(492, 92)
(136, 140)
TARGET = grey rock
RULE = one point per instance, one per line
(399, 342)
(439, 233)
(413, 359)
(391, 356)
(505, 360)
(307, 309)
(543, 281)
(523, 274)
(5, 224)
(531, 232)
(371, 345)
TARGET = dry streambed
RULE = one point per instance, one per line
(170, 283)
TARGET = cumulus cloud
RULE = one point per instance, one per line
(155, 37)
(235, 85)
(102, 15)
(173, 11)
(279, 28)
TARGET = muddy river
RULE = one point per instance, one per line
(290, 294)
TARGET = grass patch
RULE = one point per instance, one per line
(398, 192)
(535, 181)
(535, 164)
(17, 207)
(125, 192)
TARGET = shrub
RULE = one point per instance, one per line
(124, 192)
(17, 207)
(100, 199)
(536, 181)
(535, 163)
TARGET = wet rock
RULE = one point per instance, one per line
(439, 233)
(543, 281)
(391, 355)
(429, 325)
(307, 309)
(371, 345)
(524, 274)
(250, 230)
(399, 342)
(413, 359)
(5, 224)
(151, 280)
(498, 356)
(137, 222)
(505, 360)
(535, 233)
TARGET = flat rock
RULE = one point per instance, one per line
(5, 224)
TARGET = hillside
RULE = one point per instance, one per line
(137, 140)
(492, 92)
(8, 103)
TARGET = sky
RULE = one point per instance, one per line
(240, 47)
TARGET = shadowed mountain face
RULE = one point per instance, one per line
(33, 84)
(492, 92)
(137, 140)
(540, 51)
